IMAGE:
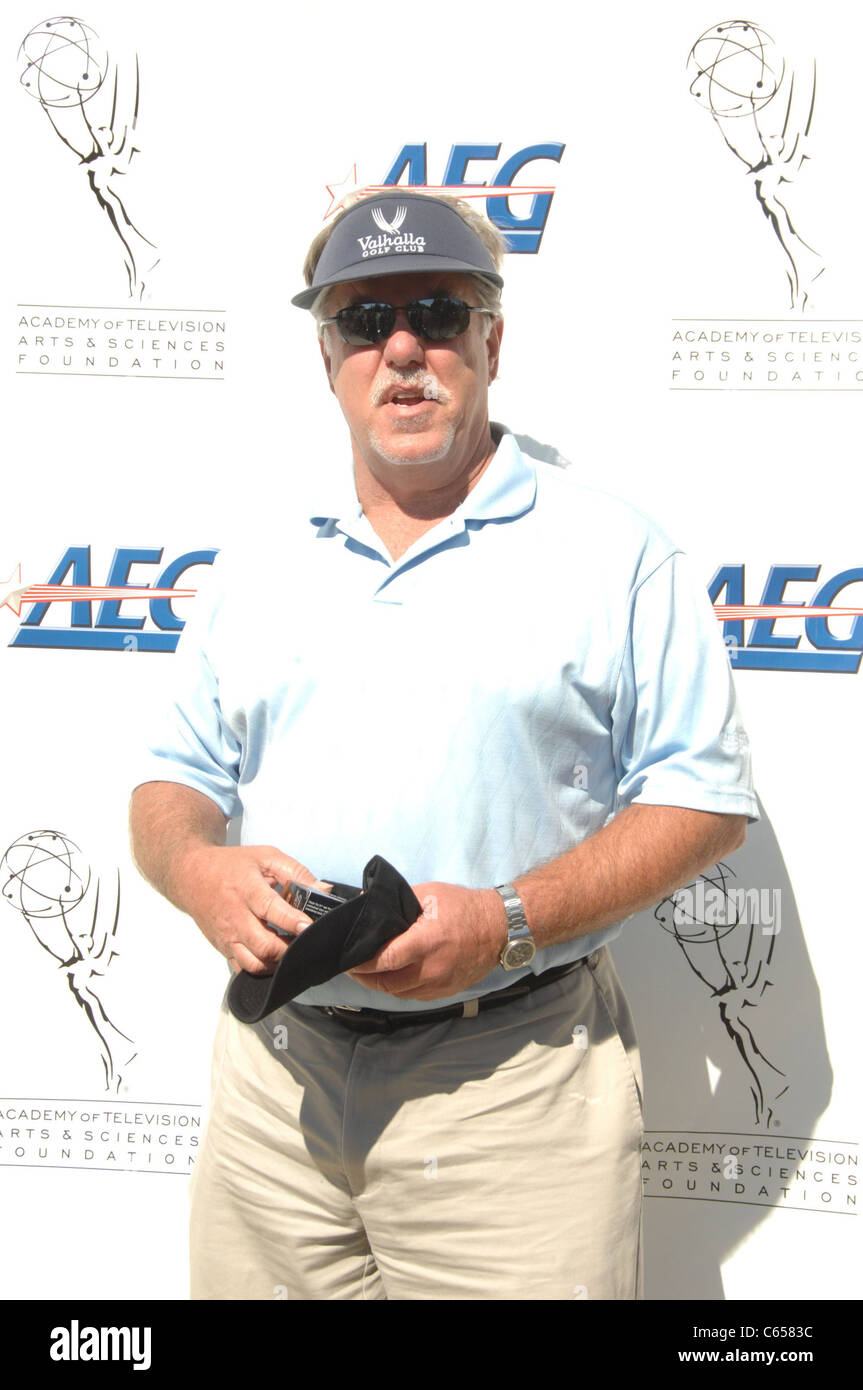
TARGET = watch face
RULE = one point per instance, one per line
(519, 953)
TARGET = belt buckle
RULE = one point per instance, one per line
(362, 1020)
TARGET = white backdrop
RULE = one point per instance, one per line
(203, 412)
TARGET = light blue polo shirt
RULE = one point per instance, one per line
(534, 663)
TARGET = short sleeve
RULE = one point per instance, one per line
(188, 740)
(677, 734)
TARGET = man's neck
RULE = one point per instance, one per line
(403, 507)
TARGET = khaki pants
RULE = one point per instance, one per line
(494, 1157)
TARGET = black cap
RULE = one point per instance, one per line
(393, 234)
(349, 935)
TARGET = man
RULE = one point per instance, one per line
(506, 684)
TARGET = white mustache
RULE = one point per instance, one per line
(426, 382)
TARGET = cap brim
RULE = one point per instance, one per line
(394, 265)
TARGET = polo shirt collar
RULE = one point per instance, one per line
(507, 487)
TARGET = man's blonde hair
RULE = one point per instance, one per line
(488, 295)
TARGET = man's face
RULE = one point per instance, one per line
(408, 401)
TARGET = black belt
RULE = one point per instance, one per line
(388, 1021)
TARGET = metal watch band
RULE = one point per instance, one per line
(520, 947)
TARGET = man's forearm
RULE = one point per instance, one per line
(167, 821)
(635, 861)
(643, 855)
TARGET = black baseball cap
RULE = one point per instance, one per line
(347, 936)
(393, 234)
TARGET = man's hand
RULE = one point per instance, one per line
(457, 941)
(230, 892)
(178, 840)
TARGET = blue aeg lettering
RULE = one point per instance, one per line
(109, 609)
(523, 233)
(778, 578)
(767, 650)
(113, 629)
(76, 559)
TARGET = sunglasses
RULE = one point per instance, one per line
(436, 319)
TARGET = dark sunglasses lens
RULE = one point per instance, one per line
(439, 319)
(361, 324)
(436, 320)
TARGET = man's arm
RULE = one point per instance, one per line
(635, 861)
(638, 859)
(178, 841)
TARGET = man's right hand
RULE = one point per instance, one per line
(178, 840)
(230, 893)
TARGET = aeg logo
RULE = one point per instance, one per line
(157, 631)
(523, 231)
(767, 650)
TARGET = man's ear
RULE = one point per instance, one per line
(493, 342)
(328, 364)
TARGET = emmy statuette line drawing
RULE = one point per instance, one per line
(44, 877)
(92, 106)
(729, 944)
(763, 109)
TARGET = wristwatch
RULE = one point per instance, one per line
(520, 947)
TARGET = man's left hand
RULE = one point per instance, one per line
(457, 941)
